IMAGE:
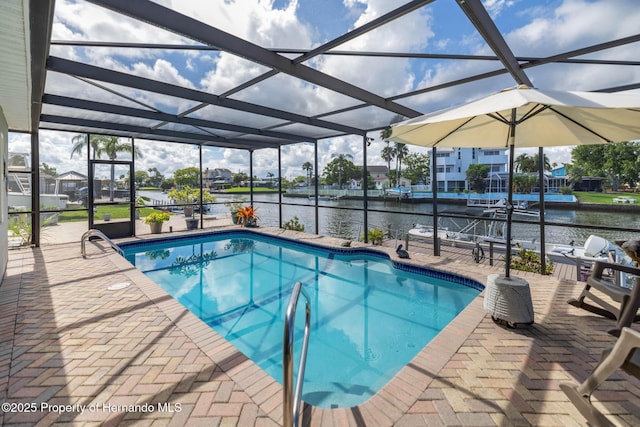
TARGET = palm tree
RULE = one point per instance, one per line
(546, 164)
(401, 150)
(387, 155)
(522, 163)
(103, 144)
(308, 167)
(342, 159)
(80, 141)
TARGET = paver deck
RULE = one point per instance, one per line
(76, 351)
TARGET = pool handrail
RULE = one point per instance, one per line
(291, 401)
(93, 232)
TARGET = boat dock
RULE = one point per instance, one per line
(465, 252)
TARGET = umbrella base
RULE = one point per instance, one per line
(508, 299)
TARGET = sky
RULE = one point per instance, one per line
(532, 28)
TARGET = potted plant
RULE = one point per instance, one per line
(234, 206)
(140, 202)
(247, 216)
(187, 196)
(155, 220)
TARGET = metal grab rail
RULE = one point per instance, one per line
(95, 233)
(291, 402)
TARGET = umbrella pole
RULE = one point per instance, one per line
(543, 254)
(512, 140)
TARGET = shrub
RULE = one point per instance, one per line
(528, 260)
(566, 190)
(375, 236)
(293, 224)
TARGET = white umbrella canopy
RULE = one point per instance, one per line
(542, 119)
(525, 117)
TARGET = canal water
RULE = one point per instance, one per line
(346, 220)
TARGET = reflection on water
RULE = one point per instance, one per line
(341, 223)
(348, 223)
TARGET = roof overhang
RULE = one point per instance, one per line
(24, 45)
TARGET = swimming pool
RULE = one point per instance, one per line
(370, 315)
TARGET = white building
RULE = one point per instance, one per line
(452, 163)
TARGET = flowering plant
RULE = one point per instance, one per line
(247, 216)
(155, 217)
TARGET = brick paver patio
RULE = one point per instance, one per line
(76, 351)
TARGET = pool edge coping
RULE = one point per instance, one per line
(389, 404)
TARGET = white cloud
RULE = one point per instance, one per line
(496, 7)
(546, 31)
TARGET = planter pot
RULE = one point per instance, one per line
(188, 211)
(156, 227)
(106, 217)
(234, 217)
(192, 223)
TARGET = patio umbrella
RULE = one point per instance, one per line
(526, 117)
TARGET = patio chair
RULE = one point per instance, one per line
(622, 303)
(625, 355)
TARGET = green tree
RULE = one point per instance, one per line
(524, 163)
(45, 169)
(618, 162)
(167, 183)
(239, 178)
(104, 144)
(308, 167)
(155, 177)
(546, 165)
(340, 169)
(417, 167)
(476, 174)
(141, 178)
(400, 151)
(80, 141)
(189, 176)
(525, 183)
(575, 174)
(388, 155)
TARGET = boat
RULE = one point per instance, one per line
(20, 186)
(426, 232)
(401, 192)
(595, 248)
(326, 198)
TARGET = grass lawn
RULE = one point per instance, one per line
(115, 211)
(605, 198)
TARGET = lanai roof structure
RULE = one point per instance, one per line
(60, 83)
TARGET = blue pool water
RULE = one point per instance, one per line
(370, 316)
